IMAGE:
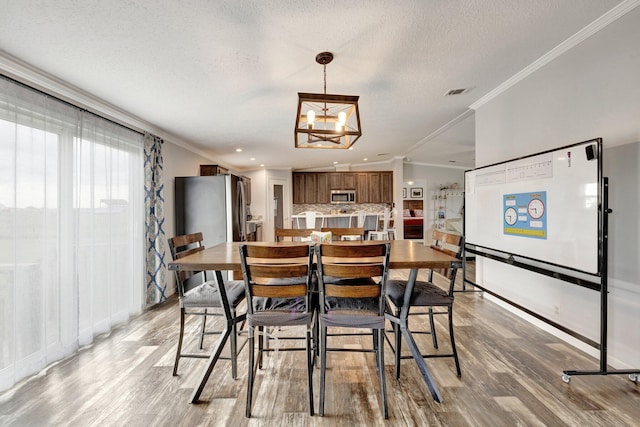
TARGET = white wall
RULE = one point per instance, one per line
(177, 162)
(590, 91)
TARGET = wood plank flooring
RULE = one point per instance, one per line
(510, 376)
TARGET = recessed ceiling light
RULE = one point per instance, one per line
(335, 163)
(253, 158)
(262, 165)
(238, 150)
(365, 159)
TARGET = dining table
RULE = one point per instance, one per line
(405, 254)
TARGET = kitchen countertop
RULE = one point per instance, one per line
(336, 215)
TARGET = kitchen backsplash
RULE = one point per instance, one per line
(326, 208)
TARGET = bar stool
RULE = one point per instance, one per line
(310, 220)
(387, 233)
(378, 235)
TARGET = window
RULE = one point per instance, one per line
(71, 239)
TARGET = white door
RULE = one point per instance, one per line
(278, 211)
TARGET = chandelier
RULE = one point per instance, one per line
(327, 121)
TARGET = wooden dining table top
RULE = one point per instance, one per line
(226, 256)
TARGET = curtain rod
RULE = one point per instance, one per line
(70, 104)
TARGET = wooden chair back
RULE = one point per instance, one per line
(440, 237)
(180, 247)
(276, 271)
(344, 264)
(337, 233)
(448, 243)
(292, 234)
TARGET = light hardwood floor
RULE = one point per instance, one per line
(510, 376)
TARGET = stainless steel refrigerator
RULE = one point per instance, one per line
(215, 205)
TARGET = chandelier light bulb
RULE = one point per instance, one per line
(311, 117)
(342, 117)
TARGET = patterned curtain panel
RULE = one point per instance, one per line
(154, 220)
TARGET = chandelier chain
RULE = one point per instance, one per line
(325, 78)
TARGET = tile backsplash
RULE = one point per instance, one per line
(326, 208)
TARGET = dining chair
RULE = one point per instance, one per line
(277, 282)
(447, 240)
(425, 295)
(352, 279)
(345, 233)
(201, 297)
(310, 219)
(293, 234)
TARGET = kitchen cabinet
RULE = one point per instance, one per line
(375, 193)
(341, 180)
(362, 188)
(386, 187)
(310, 188)
(315, 187)
(298, 188)
(381, 187)
(323, 193)
(208, 170)
(335, 181)
(349, 181)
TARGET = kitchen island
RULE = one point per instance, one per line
(338, 219)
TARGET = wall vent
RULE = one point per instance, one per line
(451, 92)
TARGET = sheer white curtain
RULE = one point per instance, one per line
(71, 239)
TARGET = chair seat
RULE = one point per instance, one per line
(279, 318)
(206, 295)
(353, 318)
(424, 294)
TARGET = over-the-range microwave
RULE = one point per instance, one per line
(343, 196)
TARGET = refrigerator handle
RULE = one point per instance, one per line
(242, 211)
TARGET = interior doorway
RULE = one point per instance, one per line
(278, 209)
(278, 203)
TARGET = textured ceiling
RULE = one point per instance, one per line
(221, 75)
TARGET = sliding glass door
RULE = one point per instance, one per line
(71, 229)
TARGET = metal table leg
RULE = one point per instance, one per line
(213, 359)
(415, 352)
(211, 363)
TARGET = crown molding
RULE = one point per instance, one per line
(438, 131)
(612, 15)
(31, 76)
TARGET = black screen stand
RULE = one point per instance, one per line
(604, 292)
